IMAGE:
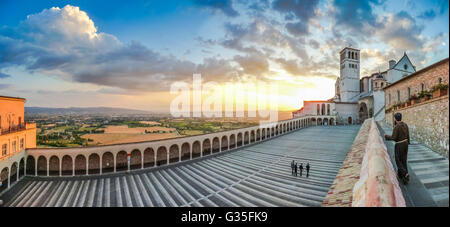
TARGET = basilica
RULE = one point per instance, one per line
(356, 98)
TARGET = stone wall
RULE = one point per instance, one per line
(429, 77)
(428, 123)
(340, 193)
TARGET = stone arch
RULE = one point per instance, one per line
(149, 157)
(272, 134)
(22, 167)
(107, 162)
(4, 178)
(161, 156)
(31, 165)
(185, 151)
(258, 134)
(313, 121)
(136, 159)
(319, 121)
(196, 149)
(13, 174)
(331, 121)
(276, 130)
(42, 166)
(94, 164)
(325, 121)
(54, 166)
(216, 145)
(363, 111)
(80, 165)
(67, 165)
(246, 138)
(239, 139)
(121, 161)
(206, 147)
(174, 153)
(224, 143)
(252, 136)
(263, 133)
(350, 120)
(232, 141)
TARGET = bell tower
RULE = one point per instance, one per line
(349, 77)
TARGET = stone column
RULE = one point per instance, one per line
(48, 167)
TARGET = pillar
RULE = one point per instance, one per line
(48, 167)
(9, 177)
(129, 162)
(142, 159)
(87, 166)
(60, 167)
(101, 164)
(35, 167)
(114, 158)
(190, 152)
(73, 167)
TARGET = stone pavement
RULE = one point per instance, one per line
(257, 175)
(340, 193)
(429, 173)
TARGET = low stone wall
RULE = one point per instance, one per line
(428, 123)
(341, 192)
(367, 177)
(377, 185)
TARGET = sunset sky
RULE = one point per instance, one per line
(116, 53)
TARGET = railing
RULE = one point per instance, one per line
(13, 129)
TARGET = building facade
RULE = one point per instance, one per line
(427, 118)
(15, 134)
(356, 98)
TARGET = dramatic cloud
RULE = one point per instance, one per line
(428, 15)
(302, 10)
(253, 64)
(401, 31)
(60, 41)
(225, 6)
(355, 14)
(4, 75)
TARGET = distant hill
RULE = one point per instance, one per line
(83, 111)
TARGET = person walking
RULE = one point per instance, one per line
(400, 135)
(295, 168)
(292, 167)
(307, 169)
(301, 168)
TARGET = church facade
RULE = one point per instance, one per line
(356, 98)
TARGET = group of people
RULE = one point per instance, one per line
(295, 168)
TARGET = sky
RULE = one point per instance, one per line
(84, 53)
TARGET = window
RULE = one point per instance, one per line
(22, 144)
(376, 84)
(382, 84)
(318, 109)
(14, 147)
(398, 96)
(440, 80)
(4, 149)
(405, 67)
(323, 109)
(409, 93)
(422, 87)
(328, 109)
(348, 54)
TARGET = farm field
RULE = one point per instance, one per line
(125, 129)
(117, 138)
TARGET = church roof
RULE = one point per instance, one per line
(418, 72)
(407, 58)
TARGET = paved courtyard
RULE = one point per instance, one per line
(258, 175)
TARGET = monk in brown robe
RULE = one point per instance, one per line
(401, 137)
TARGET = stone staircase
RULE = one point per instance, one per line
(431, 168)
(258, 175)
